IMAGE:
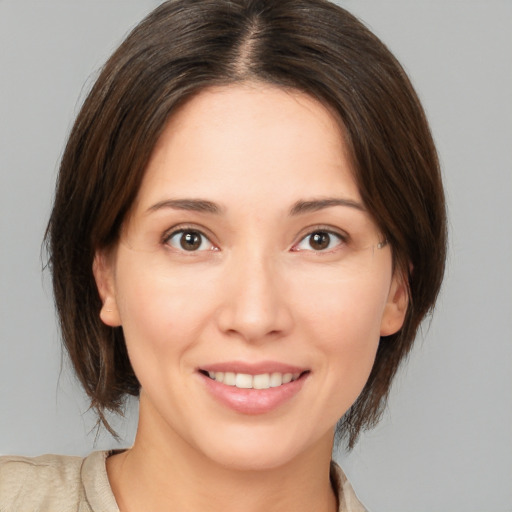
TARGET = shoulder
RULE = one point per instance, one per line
(48, 482)
(348, 501)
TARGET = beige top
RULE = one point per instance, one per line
(59, 483)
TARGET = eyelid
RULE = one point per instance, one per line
(180, 228)
(342, 235)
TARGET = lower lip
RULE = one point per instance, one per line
(253, 401)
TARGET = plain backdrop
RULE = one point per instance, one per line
(445, 442)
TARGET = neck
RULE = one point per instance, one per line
(164, 472)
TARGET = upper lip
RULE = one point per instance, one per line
(253, 368)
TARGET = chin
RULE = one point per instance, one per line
(262, 448)
(247, 458)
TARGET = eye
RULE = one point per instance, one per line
(320, 240)
(189, 240)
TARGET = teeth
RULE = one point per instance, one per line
(230, 378)
(243, 380)
(276, 379)
(260, 381)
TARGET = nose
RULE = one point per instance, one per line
(255, 305)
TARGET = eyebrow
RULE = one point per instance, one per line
(300, 207)
(195, 205)
(319, 204)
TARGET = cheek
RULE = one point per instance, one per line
(343, 323)
(346, 312)
(161, 314)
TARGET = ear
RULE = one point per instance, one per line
(103, 270)
(396, 306)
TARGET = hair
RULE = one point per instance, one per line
(185, 46)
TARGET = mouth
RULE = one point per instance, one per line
(257, 381)
(253, 389)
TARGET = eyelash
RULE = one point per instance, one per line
(342, 240)
(183, 230)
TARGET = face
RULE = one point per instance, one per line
(251, 284)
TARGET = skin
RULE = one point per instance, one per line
(254, 290)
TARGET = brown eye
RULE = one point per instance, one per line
(319, 240)
(189, 240)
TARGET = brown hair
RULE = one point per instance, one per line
(185, 46)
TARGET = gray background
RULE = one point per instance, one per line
(445, 443)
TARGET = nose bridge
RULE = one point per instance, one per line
(254, 304)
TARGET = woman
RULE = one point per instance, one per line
(248, 228)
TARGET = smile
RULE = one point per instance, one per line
(253, 388)
(259, 381)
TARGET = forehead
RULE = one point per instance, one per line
(249, 139)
